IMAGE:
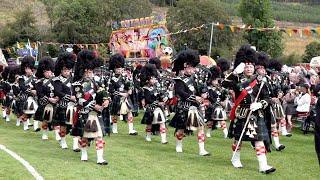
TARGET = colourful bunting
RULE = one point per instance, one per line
(221, 26)
(289, 31)
(307, 32)
(318, 31)
(231, 28)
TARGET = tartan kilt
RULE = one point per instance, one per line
(39, 113)
(92, 127)
(115, 105)
(236, 127)
(7, 101)
(18, 109)
(179, 120)
(78, 127)
(149, 119)
(60, 117)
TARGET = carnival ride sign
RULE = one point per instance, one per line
(139, 38)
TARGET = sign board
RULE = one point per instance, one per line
(139, 38)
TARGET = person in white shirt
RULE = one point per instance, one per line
(303, 101)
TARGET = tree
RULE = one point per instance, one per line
(190, 13)
(312, 50)
(22, 29)
(82, 21)
(257, 14)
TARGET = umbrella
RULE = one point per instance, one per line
(207, 61)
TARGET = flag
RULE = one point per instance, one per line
(18, 45)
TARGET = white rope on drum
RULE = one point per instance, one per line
(25, 163)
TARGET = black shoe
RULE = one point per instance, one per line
(76, 150)
(165, 142)
(289, 135)
(133, 134)
(281, 147)
(271, 170)
(37, 130)
(103, 163)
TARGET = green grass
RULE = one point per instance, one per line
(132, 158)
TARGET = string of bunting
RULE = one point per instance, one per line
(300, 32)
(236, 28)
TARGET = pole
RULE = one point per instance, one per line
(209, 54)
(245, 125)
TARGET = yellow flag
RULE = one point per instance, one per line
(318, 31)
(289, 32)
(231, 28)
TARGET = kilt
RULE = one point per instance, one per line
(89, 126)
(7, 101)
(77, 128)
(290, 109)
(18, 110)
(179, 120)
(187, 117)
(60, 117)
(256, 129)
(39, 113)
(153, 116)
(115, 105)
(92, 128)
(119, 104)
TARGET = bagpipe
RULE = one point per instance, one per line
(165, 85)
(201, 77)
(43, 101)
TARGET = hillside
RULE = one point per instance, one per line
(8, 8)
(295, 12)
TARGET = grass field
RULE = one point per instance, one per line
(132, 158)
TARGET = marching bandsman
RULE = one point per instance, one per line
(216, 95)
(247, 114)
(88, 123)
(154, 103)
(277, 94)
(120, 89)
(63, 90)
(26, 100)
(187, 116)
(10, 87)
(45, 93)
(271, 111)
